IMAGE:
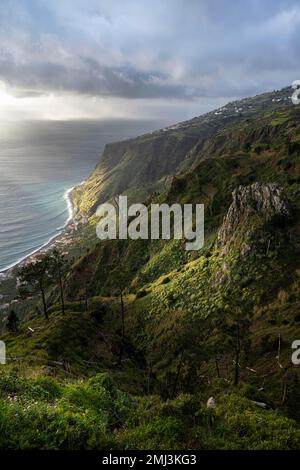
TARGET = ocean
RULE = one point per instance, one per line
(39, 162)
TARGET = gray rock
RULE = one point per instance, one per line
(267, 200)
(260, 404)
(211, 403)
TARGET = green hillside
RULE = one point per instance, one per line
(152, 331)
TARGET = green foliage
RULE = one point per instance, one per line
(248, 427)
(12, 322)
(42, 414)
(35, 278)
(190, 309)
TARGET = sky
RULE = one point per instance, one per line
(143, 59)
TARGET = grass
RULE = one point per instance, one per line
(64, 376)
(46, 414)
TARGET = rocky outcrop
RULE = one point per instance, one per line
(267, 201)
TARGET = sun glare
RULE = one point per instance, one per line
(8, 104)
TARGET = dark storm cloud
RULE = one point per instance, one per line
(140, 49)
(90, 78)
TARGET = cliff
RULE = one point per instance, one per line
(142, 166)
(218, 322)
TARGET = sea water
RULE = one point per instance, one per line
(39, 162)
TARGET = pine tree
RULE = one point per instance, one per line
(12, 323)
(36, 278)
(59, 269)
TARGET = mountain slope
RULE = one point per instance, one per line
(254, 275)
(140, 166)
(264, 148)
(216, 322)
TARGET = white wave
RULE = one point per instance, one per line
(3, 271)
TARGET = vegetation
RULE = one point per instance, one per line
(140, 334)
(36, 277)
(12, 323)
(43, 413)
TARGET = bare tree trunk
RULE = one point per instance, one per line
(284, 394)
(177, 375)
(86, 299)
(237, 357)
(217, 368)
(279, 351)
(227, 370)
(123, 329)
(44, 301)
(61, 289)
(149, 378)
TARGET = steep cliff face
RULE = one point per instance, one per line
(256, 225)
(138, 166)
(141, 166)
(262, 146)
(253, 203)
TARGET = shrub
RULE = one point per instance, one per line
(160, 434)
(42, 414)
(251, 428)
(43, 426)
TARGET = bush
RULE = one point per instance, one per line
(94, 414)
(159, 434)
(43, 426)
(241, 422)
(42, 414)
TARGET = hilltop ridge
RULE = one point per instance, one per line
(138, 167)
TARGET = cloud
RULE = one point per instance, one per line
(88, 78)
(132, 50)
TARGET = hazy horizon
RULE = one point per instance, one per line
(66, 60)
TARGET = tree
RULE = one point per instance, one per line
(123, 328)
(121, 279)
(237, 352)
(86, 297)
(184, 348)
(59, 268)
(177, 374)
(230, 329)
(217, 342)
(36, 278)
(12, 323)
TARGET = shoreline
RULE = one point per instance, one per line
(65, 232)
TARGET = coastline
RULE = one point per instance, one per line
(63, 238)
